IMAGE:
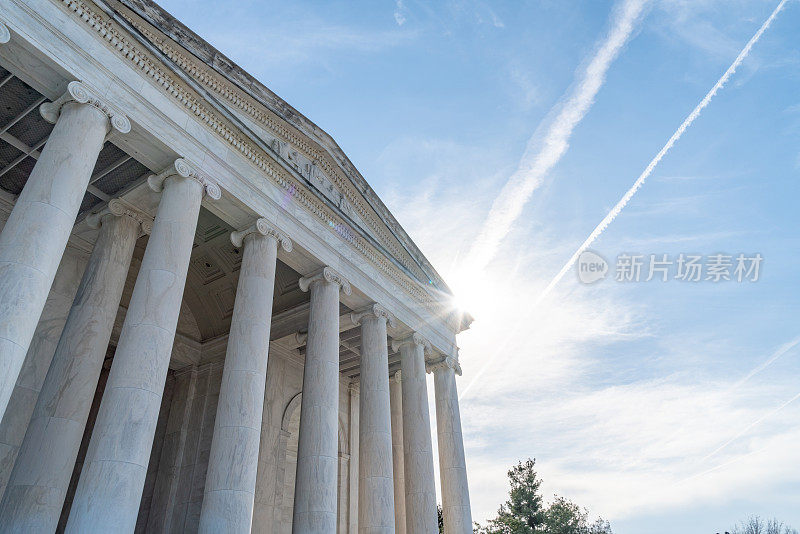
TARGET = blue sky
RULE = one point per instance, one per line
(638, 400)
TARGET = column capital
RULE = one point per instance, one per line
(374, 310)
(300, 338)
(446, 362)
(264, 228)
(118, 207)
(354, 387)
(84, 94)
(414, 338)
(5, 35)
(326, 274)
(397, 376)
(183, 168)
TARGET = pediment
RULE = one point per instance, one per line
(293, 153)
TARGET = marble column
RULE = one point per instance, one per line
(353, 391)
(35, 235)
(396, 402)
(375, 485)
(111, 483)
(230, 484)
(40, 479)
(40, 354)
(419, 481)
(316, 481)
(452, 465)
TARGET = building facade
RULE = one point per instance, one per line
(209, 322)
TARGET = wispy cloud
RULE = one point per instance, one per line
(526, 91)
(605, 435)
(551, 141)
(400, 13)
(615, 211)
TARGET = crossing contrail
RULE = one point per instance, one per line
(600, 228)
(749, 426)
(544, 151)
(783, 349)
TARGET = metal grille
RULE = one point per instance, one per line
(15, 97)
(89, 201)
(107, 157)
(23, 133)
(14, 180)
(122, 176)
(31, 129)
(7, 154)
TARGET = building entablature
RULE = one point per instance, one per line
(287, 172)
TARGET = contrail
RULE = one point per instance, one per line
(783, 349)
(543, 152)
(751, 425)
(778, 353)
(642, 177)
(600, 228)
(720, 466)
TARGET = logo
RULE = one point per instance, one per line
(591, 267)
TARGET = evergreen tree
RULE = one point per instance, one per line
(525, 511)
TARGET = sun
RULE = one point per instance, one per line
(472, 293)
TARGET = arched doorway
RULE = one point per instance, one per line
(285, 490)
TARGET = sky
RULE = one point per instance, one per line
(500, 134)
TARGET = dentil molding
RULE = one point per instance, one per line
(152, 69)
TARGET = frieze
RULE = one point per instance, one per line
(107, 30)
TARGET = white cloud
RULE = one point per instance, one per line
(551, 141)
(399, 13)
(606, 432)
(527, 92)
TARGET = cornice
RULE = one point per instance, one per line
(244, 87)
(152, 68)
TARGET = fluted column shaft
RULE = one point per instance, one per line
(230, 482)
(316, 481)
(418, 454)
(375, 484)
(41, 475)
(111, 483)
(37, 361)
(36, 233)
(396, 396)
(452, 464)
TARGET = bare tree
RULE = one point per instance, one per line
(756, 525)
